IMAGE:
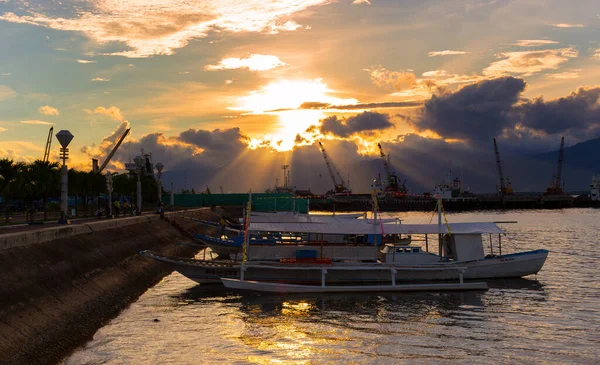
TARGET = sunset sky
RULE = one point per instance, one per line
(210, 86)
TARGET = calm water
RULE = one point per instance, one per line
(553, 317)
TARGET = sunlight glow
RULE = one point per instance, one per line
(284, 99)
(288, 94)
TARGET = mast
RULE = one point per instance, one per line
(386, 165)
(48, 145)
(499, 165)
(338, 188)
(555, 187)
(112, 153)
(561, 153)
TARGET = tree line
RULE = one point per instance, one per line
(31, 186)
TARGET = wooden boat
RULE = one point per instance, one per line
(463, 248)
(286, 252)
(293, 288)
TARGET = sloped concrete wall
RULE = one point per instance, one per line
(59, 285)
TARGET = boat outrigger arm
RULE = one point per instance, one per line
(294, 288)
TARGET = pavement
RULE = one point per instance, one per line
(24, 227)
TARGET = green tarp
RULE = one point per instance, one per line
(261, 202)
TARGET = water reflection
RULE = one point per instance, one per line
(549, 318)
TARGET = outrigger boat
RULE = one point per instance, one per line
(227, 242)
(390, 257)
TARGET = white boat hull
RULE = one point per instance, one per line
(508, 266)
(292, 288)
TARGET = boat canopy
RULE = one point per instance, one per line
(351, 227)
(291, 217)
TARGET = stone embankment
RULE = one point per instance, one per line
(59, 285)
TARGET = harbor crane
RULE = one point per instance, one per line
(505, 184)
(48, 145)
(392, 185)
(338, 188)
(556, 187)
(95, 167)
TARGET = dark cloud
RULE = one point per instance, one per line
(299, 139)
(580, 111)
(314, 105)
(478, 111)
(217, 139)
(391, 104)
(359, 106)
(366, 121)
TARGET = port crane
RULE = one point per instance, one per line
(95, 167)
(339, 188)
(392, 185)
(48, 145)
(555, 187)
(505, 184)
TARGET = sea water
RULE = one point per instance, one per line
(551, 317)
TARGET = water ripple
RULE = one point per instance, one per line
(549, 318)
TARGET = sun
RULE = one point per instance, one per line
(284, 99)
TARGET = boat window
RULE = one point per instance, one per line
(415, 250)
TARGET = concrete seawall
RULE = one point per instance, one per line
(59, 285)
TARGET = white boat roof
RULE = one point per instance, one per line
(351, 227)
(291, 217)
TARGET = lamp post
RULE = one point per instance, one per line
(64, 138)
(139, 163)
(159, 167)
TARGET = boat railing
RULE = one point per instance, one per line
(324, 270)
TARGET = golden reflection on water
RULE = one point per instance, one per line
(294, 342)
(299, 308)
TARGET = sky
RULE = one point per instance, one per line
(215, 89)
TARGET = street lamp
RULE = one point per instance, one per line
(159, 167)
(64, 138)
(139, 163)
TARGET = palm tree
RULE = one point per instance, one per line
(44, 178)
(9, 172)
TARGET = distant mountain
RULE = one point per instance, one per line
(422, 169)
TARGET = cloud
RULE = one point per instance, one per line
(6, 74)
(146, 28)
(254, 62)
(112, 111)
(289, 26)
(361, 2)
(534, 42)
(528, 63)
(226, 143)
(99, 79)
(48, 110)
(564, 75)
(316, 105)
(399, 80)
(446, 53)
(86, 61)
(3, 129)
(366, 121)
(39, 122)
(6, 92)
(596, 54)
(477, 111)
(578, 112)
(566, 25)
